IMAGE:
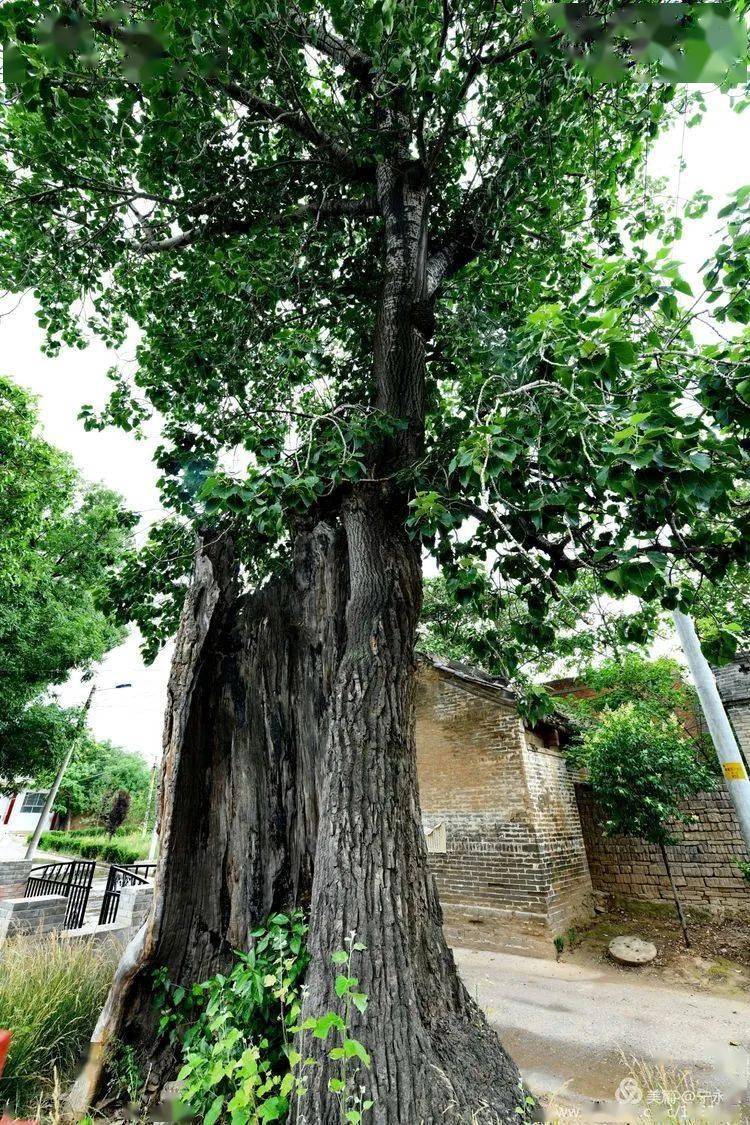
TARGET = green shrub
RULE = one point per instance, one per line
(744, 868)
(51, 993)
(119, 849)
(242, 1046)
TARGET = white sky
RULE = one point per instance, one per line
(717, 157)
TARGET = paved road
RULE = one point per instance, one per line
(568, 1027)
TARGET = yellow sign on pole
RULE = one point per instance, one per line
(734, 771)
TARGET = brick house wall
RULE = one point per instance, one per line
(558, 831)
(733, 682)
(513, 840)
(702, 863)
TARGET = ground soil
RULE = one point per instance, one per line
(717, 962)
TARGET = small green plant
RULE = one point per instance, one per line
(236, 1029)
(240, 1035)
(642, 768)
(525, 1112)
(349, 1052)
(559, 945)
(127, 1077)
(744, 867)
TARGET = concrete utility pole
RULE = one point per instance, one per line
(722, 735)
(34, 842)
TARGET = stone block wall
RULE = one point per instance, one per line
(501, 801)
(13, 876)
(701, 863)
(39, 915)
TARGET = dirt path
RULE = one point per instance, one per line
(569, 1026)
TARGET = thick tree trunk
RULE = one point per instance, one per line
(247, 699)
(434, 1057)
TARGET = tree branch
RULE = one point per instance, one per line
(338, 50)
(477, 65)
(261, 108)
(300, 124)
(335, 208)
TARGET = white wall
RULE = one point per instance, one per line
(20, 821)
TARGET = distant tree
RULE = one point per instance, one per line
(657, 686)
(118, 811)
(61, 545)
(642, 767)
(97, 770)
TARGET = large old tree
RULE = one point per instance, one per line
(374, 252)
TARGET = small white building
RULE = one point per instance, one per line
(20, 812)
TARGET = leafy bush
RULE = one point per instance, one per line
(744, 867)
(240, 1033)
(118, 849)
(656, 688)
(51, 993)
(641, 766)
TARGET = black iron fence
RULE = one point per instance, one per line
(72, 879)
(123, 875)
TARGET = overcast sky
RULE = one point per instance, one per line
(717, 158)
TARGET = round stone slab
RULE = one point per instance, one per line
(632, 951)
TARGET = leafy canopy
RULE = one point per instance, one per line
(466, 617)
(213, 173)
(61, 545)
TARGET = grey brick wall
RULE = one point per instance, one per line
(702, 863)
(32, 915)
(13, 876)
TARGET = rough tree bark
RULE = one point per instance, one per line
(434, 1057)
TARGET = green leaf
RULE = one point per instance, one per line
(343, 984)
(354, 1049)
(273, 1109)
(214, 1111)
(359, 999)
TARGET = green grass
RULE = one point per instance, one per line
(51, 993)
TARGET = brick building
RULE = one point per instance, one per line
(498, 802)
(512, 832)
